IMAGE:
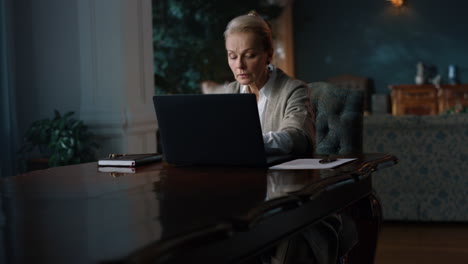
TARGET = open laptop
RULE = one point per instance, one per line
(212, 129)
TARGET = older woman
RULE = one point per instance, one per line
(287, 123)
(283, 103)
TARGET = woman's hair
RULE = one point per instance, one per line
(252, 22)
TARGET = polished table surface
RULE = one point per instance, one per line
(75, 214)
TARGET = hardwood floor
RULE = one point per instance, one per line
(427, 243)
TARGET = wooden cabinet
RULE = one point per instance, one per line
(451, 95)
(414, 100)
(426, 99)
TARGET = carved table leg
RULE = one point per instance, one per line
(367, 214)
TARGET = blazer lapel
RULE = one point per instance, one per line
(273, 100)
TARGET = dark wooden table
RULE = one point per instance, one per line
(75, 214)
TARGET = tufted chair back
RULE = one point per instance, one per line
(354, 82)
(338, 120)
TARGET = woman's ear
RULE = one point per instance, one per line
(270, 57)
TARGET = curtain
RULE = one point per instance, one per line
(8, 132)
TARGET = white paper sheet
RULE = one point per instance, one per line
(308, 164)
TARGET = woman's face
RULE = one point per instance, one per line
(247, 58)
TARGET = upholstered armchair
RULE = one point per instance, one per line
(339, 129)
(338, 122)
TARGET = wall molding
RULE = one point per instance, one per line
(107, 122)
(116, 71)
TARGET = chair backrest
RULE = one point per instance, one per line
(353, 82)
(338, 120)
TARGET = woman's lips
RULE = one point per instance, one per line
(243, 75)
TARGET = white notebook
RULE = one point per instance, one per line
(309, 164)
(130, 160)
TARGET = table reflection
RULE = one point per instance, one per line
(77, 215)
(282, 182)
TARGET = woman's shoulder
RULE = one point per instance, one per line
(288, 83)
(233, 87)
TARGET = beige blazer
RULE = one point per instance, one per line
(288, 109)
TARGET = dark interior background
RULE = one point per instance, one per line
(374, 39)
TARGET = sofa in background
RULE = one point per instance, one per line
(430, 182)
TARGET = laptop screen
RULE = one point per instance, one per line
(210, 129)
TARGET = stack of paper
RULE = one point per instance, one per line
(309, 164)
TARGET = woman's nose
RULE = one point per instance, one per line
(240, 63)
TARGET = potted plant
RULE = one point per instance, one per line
(60, 141)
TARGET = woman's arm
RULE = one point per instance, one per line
(279, 142)
(298, 121)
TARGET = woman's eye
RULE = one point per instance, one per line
(232, 57)
(250, 56)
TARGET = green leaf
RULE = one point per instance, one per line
(64, 139)
(70, 153)
(62, 144)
